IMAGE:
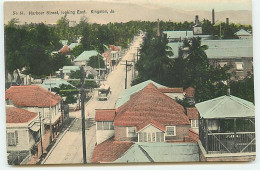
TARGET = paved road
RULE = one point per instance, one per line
(68, 148)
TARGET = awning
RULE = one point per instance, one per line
(35, 127)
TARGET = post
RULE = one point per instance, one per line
(83, 116)
(125, 74)
(235, 135)
(207, 137)
(41, 131)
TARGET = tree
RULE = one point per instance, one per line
(96, 62)
(154, 60)
(67, 91)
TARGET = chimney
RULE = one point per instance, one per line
(227, 21)
(228, 92)
(186, 33)
(213, 16)
(158, 28)
(197, 20)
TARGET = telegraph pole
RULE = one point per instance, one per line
(126, 65)
(83, 95)
(40, 117)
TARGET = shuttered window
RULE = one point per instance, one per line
(159, 137)
(143, 137)
(12, 138)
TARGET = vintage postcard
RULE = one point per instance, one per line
(120, 81)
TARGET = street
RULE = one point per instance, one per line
(68, 148)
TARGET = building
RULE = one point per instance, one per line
(178, 36)
(84, 57)
(149, 117)
(73, 45)
(66, 71)
(36, 99)
(54, 83)
(226, 129)
(193, 116)
(236, 53)
(242, 34)
(23, 135)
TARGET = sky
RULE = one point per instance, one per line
(218, 5)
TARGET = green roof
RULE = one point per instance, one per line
(84, 56)
(161, 152)
(242, 32)
(226, 107)
(73, 45)
(126, 94)
(64, 42)
(68, 69)
(55, 83)
(179, 34)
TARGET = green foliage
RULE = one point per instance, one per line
(96, 62)
(77, 50)
(67, 91)
(243, 89)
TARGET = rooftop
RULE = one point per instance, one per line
(175, 48)
(242, 32)
(226, 107)
(17, 115)
(126, 94)
(73, 45)
(179, 34)
(84, 56)
(65, 49)
(31, 96)
(189, 92)
(150, 105)
(53, 83)
(193, 113)
(105, 115)
(109, 151)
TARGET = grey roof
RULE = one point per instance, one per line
(231, 48)
(179, 34)
(226, 107)
(54, 83)
(126, 94)
(242, 32)
(84, 56)
(175, 48)
(64, 42)
(91, 70)
(161, 152)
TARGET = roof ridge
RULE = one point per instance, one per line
(214, 107)
(232, 97)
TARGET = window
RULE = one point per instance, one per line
(131, 132)
(239, 66)
(194, 123)
(12, 138)
(170, 131)
(222, 64)
(143, 137)
(105, 125)
(159, 137)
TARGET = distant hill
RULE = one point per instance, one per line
(123, 12)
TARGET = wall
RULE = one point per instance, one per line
(236, 75)
(23, 139)
(181, 132)
(103, 135)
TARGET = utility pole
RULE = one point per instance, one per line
(83, 95)
(126, 65)
(40, 117)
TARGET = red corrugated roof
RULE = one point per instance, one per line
(171, 90)
(189, 92)
(17, 115)
(109, 151)
(193, 113)
(105, 115)
(114, 48)
(150, 104)
(65, 49)
(31, 96)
